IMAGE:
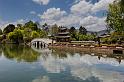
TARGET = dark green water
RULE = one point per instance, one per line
(24, 64)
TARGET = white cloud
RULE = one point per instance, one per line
(70, 20)
(94, 23)
(82, 7)
(2, 24)
(53, 13)
(101, 5)
(89, 20)
(44, 2)
(81, 13)
(33, 12)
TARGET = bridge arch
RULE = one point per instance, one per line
(41, 42)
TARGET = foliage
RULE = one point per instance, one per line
(22, 33)
(43, 34)
(16, 36)
(27, 32)
(82, 30)
(34, 34)
(122, 5)
(115, 37)
(1, 37)
(73, 33)
(86, 37)
(9, 28)
(1, 32)
(31, 25)
(115, 17)
(81, 37)
(72, 30)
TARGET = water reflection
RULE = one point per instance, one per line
(42, 79)
(19, 53)
(61, 65)
(95, 67)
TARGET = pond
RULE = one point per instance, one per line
(25, 64)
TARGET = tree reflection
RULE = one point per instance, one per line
(0, 51)
(20, 53)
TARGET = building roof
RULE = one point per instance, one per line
(63, 33)
(63, 28)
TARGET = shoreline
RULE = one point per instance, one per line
(91, 49)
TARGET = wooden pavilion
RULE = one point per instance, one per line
(63, 35)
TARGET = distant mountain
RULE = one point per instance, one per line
(99, 33)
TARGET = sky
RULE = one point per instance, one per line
(88, 13)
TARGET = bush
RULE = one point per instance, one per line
(34, 34)
(16, 36)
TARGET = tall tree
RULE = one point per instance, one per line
(31, 25)
(9, 28)
(72, 30)
(82, 30)
(122, 5)
(1, 32)
(16, 36)
(115, 17)
(73, 33)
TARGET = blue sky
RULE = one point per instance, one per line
(88, 13)
(12, 10)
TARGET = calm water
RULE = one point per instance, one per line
(24, 64)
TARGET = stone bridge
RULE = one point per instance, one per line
(41, 42)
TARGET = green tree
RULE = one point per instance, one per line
(31, 25)
(35, 34)
(27, 32)
(72, 30)
(82, 30)
(1, 32)
(9, 28)
(43, 34)
(122, 5)
(115, 17)
(20, 26)
(16, 36)
(73, 33)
